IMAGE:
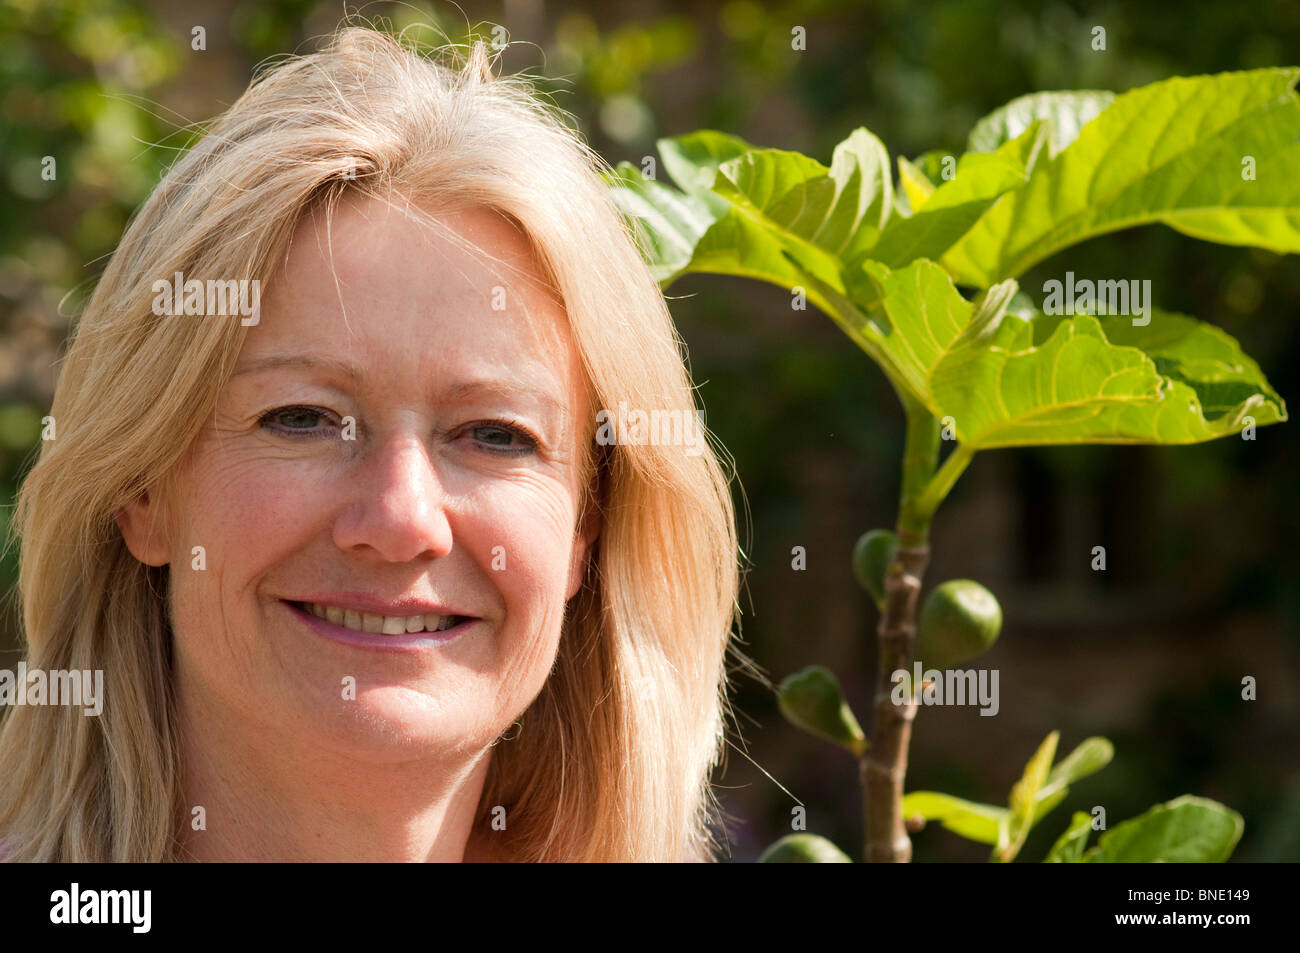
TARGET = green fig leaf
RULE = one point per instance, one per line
(955, 206)
(1213, 157)
(1063, 380)
(974, 821)
(1024, 800)
(1041, 789)
(1063, 113)
(840, 210)
(1091, 755)
(669, 224)
(915, 188)
(931, 164)
(1006, 381)
(1187, 829)
(693, 159)
(1068, 848)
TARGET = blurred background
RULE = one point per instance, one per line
(1201, 587)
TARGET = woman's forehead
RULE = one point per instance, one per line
(401, 258)
(473, 242)
(385, 284)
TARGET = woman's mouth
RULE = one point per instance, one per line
(388, 625)
(369, 630)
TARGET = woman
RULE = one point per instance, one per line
(364, 578)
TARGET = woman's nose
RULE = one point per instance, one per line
(398, 506)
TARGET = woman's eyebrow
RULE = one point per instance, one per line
(492, 387)
(462, 390)
(342, 368)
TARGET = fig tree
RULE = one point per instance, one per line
(959, 621)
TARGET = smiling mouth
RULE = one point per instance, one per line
(379, 624)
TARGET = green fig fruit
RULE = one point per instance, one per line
(812, 700)
(872, 555)
(804, 849)
(959, 621)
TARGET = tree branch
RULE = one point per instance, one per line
(884, 767)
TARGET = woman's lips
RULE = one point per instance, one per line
(377, 640)
(389, 623)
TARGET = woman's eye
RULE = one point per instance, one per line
(294, 420)
(499, 434)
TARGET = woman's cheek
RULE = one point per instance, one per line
(254, 490)
(526, 530)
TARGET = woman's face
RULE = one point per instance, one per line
(456, 492)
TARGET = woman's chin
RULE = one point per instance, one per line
(396, 722)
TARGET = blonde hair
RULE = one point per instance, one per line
(613, 758)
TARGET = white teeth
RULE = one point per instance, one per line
(388, 625)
